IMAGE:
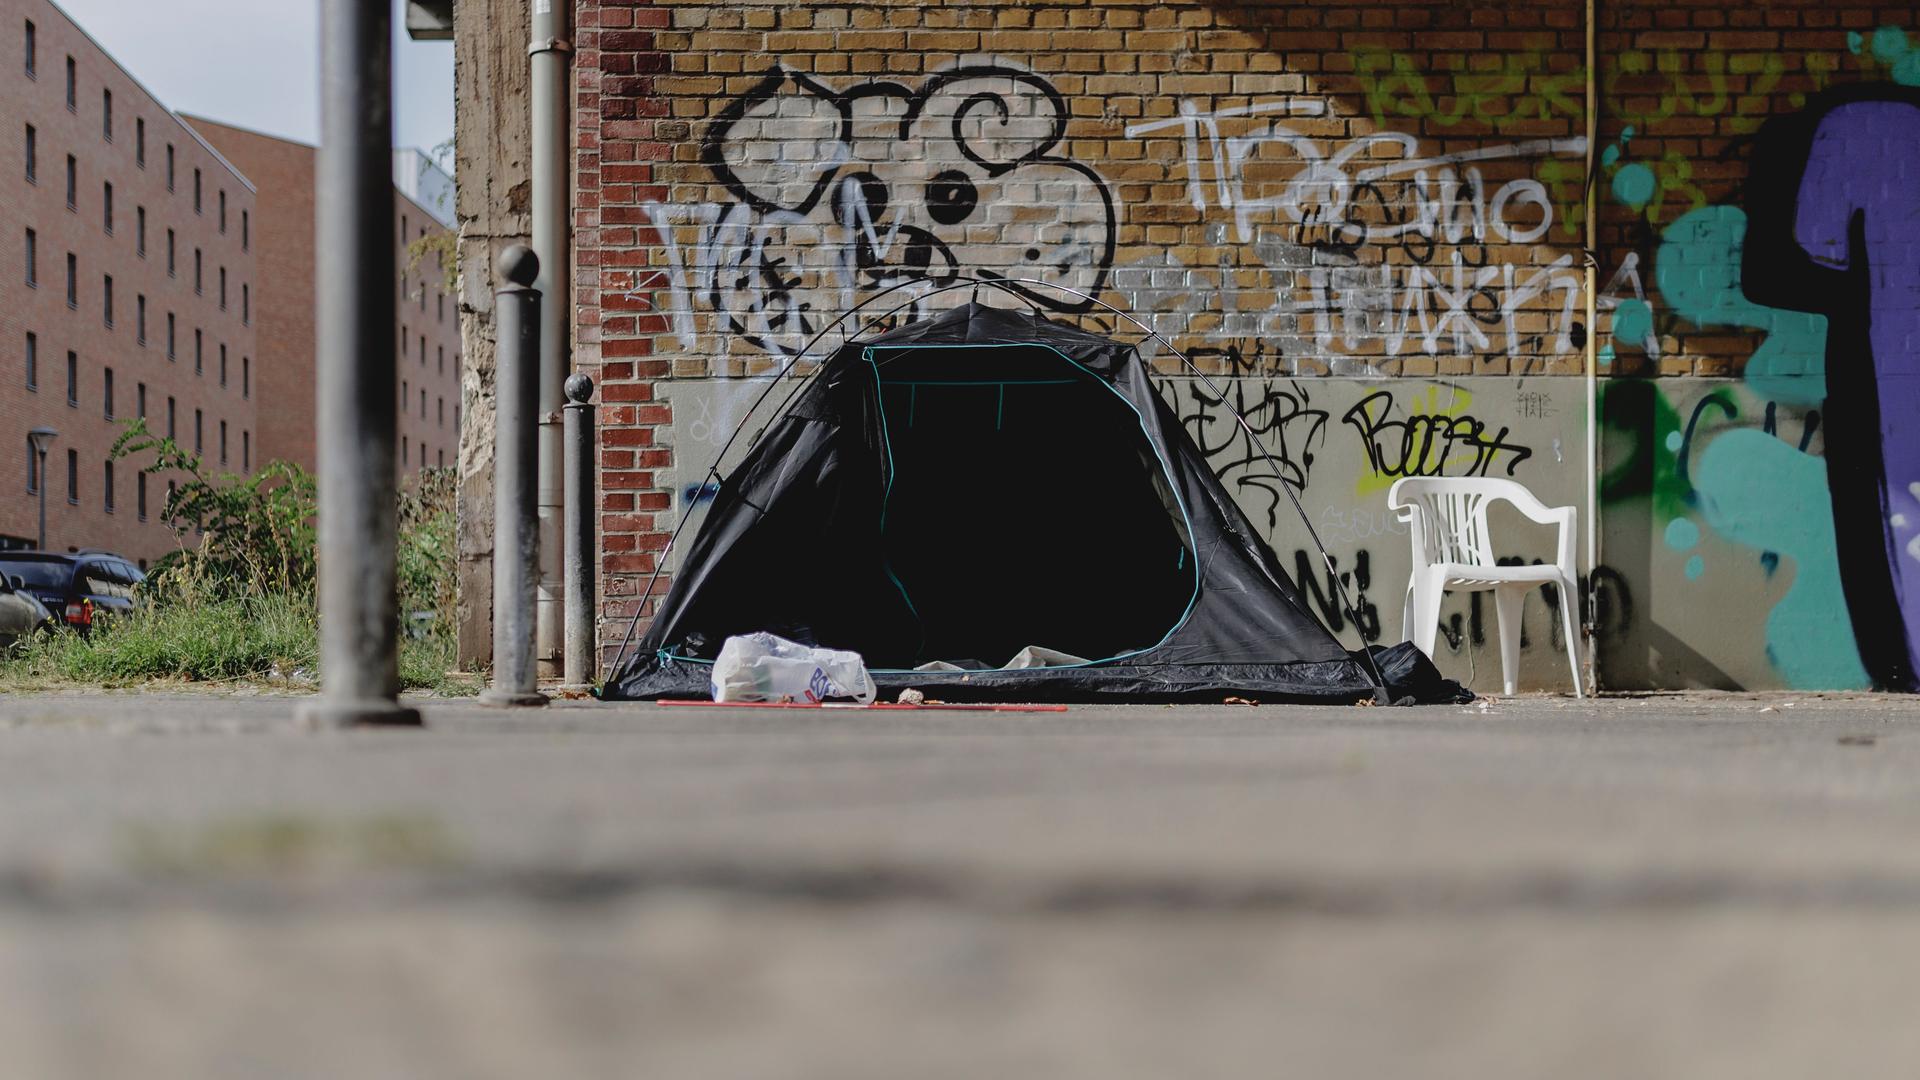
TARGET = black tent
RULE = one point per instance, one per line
(962, 488)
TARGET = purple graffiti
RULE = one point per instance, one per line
(1834, 205)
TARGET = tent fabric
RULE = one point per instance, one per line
(960, 489)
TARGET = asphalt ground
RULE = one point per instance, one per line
(1677, 885)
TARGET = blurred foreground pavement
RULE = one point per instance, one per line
(1690, 886)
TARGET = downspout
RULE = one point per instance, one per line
(1592, 261)
(551, 52)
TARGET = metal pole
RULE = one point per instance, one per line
(580, 665)
(356, 411)
(551, 149)
(43, 497)
(516, 528)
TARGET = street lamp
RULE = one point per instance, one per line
(38, 438)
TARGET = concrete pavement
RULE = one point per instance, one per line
(1702, 885)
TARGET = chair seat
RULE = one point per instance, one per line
(1466, 578)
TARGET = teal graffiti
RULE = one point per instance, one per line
(1695, 567)
(1682, 533)
(1762, 493)
(1891, 47)
(1698, 272)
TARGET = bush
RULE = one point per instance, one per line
(239, 604)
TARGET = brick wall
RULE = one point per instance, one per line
(1290, 191)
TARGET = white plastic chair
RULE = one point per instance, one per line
(1453, 549)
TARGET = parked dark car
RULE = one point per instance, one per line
(21, 612)
(77, 589)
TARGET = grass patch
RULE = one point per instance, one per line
(270, 640)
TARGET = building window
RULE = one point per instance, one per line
(199, 275)
(246, 231)
(33, 155)
(140, 231)
(169, 166)
(406, 392)
(140, 318)
(32, 65)
(106, 479)
(223, 288)
(73, 87)
(33, 260)
(405, 454)
(199, 352)
(33, 470)
(223, 363)
(246, 451)
(73, 379)
(171, 250)
(199, 431)
(140, 400)
(106, 207)
(440, 411)
(33, 360)
(73, 183)
(172, 415)
(223, 442)
(106, 393)
(423, 455)
(223, 210)
(440, 358)
(440, 459)
(140, 495)
(106, 299)
(246, 304)
(73, 470)
(196, 190)
(73, 280)
(106, 114)
(171, 325)
(423, 403)
(440, 306)
(140, 141)
(423, 355)
(246, 376)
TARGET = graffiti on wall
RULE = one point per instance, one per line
(835, 195)
(1836, 220)
(1367, 247)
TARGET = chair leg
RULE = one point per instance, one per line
(1569, 604)
(1406, 613)
(1507, 603)
(1425, 612)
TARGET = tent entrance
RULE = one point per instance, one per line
(1025, 505)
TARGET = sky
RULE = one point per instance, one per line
(257, 65)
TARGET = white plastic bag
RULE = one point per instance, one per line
(762, 667)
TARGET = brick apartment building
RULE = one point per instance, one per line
(130, 290)
(428, 329)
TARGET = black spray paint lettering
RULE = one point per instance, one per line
(837, 194)
(1430, 444)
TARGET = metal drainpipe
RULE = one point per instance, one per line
(356, 409)
(1592, 259)
(551, 51)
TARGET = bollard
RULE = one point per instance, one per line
(577, 517)
(516, 526)
(356, 412)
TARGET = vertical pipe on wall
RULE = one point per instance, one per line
(1592, 261)
(354, 284)
(551, 53)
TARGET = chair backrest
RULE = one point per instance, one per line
(1449, 515)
